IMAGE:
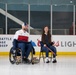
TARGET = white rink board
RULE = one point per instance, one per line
(66, 43)
(63, 43)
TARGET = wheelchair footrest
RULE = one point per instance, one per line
(35, 60)
(18, 59)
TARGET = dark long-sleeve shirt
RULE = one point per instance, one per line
(46, 41)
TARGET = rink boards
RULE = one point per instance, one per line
(65, 44)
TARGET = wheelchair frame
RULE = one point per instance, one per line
(13, 57)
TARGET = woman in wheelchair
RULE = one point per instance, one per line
(21, 40)
(46, 44)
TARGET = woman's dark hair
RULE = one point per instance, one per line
(43, 35)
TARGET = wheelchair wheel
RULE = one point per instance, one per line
(11, 56)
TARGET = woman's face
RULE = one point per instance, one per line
(46, 29)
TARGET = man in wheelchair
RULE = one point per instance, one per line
(21, 40)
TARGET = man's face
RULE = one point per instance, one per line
(25, 27)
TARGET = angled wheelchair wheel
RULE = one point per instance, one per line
(11, 56)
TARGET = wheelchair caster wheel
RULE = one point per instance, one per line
(17, 63)
(32, 63)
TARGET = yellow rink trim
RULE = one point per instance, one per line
(4, 53)
(37, 53)
(62, 53)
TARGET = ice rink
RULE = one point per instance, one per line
(66, 65)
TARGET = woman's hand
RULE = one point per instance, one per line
(44, 45)
(53, 43)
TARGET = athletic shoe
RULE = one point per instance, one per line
(47, 60)
(26, 60)
(54, 61)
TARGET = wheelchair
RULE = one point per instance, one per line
(16, 56)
